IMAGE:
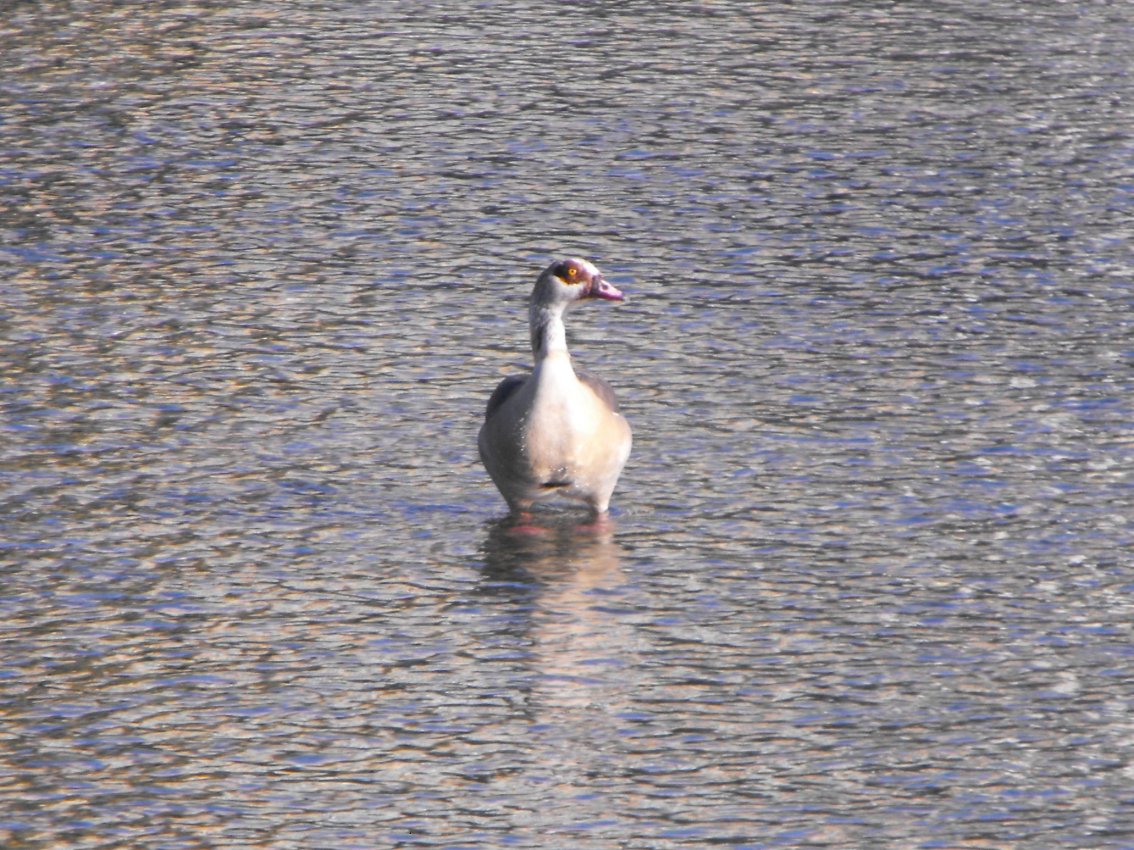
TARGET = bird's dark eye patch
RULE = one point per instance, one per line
(568, 272)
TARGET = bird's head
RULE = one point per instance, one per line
(573, 280)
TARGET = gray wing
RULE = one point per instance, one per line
(599, 387)
(502, 392)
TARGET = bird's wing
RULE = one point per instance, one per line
(502, 392)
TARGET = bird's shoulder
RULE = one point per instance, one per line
(502, 393)
(599, 387)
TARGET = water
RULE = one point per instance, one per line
(870, 580)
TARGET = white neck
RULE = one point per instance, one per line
(549, 335)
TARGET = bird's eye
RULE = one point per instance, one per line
(568, 273)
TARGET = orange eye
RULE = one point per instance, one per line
(568, 273)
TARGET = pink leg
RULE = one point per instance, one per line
(523, 524)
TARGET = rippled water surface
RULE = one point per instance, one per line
(870, 580)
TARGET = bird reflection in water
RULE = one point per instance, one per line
(572, 579)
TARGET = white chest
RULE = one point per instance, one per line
(564, 415)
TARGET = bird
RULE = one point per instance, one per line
(556, 431)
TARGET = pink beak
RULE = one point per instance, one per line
(606, 291)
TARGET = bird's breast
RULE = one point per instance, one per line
(566, 418)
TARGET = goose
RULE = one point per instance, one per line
(556, 431)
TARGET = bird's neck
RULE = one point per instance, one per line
(549, 335)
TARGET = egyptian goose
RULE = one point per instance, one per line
(556, 431)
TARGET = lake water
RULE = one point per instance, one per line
(870, 581)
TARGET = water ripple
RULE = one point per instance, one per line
(868, 581)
